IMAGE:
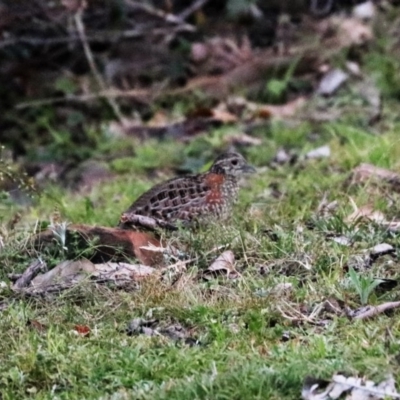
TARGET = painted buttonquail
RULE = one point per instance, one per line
(191, 198)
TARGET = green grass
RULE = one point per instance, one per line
(277, 237)
(239, 323)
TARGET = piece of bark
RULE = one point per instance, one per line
(110, 243)
(29, 274)
(67, 272)
(14, 277)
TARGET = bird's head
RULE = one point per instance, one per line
(231, 164)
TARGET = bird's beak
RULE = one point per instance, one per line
(248, 169)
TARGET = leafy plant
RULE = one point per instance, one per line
(275, 88)
(364, 285)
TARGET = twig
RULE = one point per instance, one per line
(89, 56)
(99, 36)
(139, 95)
(168, 17)
(180, 264)
(372, 311)
(191, 9)
(299, 317)
(29, 274)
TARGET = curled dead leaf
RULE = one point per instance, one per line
(368, 213)
(364, 213)
(224, 262)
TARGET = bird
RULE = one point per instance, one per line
(190, 199)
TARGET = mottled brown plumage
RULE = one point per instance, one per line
(192, 197)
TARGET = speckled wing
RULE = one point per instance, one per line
(177, 199)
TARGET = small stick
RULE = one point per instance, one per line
(140, 96)
(192, 9)
(106, 36)
(372, 311)
(90, 59)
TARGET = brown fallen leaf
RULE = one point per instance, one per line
(82, 330)
(224, 262)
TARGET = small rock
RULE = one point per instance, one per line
(380, 249)
(353, 68)
(320, 152)
(148, 331)
(282, 156)
(364, 11)
(332, 81)
(141, 326)
(343, 240)
(285, 336)
(234, 328)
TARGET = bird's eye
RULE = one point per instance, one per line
(235, 162)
